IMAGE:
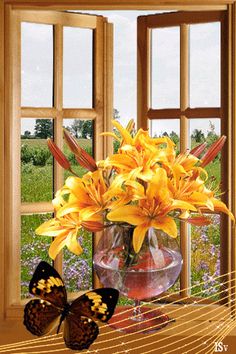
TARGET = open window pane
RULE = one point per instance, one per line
(77, 270)
(36, 160)
(77, 67)
(165, 68)
(176, 287)
(83, 131)
(205, 65)
(205, 258)
(167, 127)
(207, 130)
(36, 65)
(34, 248)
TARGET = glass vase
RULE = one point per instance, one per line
(138, 276)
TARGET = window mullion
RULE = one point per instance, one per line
(58, 120)
(143, 74)
(98, 105)
(185, 245)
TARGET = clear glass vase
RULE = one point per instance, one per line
(139, 276)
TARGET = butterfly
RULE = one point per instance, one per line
(44, 314)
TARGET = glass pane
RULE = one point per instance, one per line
(167, 127)
(77, 270)
(36, 65)
(176, 287)
(34, 248)
(78, 67)
(82, 130)
(36, 160)
(207, 130)
(205, 65)
(205, 259)
(165, 68)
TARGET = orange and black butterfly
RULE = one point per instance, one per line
(44, 314)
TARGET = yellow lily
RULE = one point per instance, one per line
(151, 211)
(65, 231)
(87, 196)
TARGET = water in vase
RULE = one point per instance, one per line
(151, 277)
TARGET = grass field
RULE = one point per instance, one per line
(43, 142)
(37, 186)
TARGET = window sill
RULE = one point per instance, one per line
(193, 323)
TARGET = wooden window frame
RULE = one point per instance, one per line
(102, 92)
(146, 113)
(6, 6)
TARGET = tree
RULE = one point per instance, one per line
(211, 134)
(26, 135)
(198, 135)
(116, 114)
(174, 137)
(87, 129)
(43, 128)
(76, 128)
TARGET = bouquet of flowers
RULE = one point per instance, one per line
(145, 184)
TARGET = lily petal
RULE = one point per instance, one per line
(73, 244)
(129, 213)
(57, 245)
(124, 133)
(220, 206)
(180, 204)
(139, 235)
(166, 224)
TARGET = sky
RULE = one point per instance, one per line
(37, 68)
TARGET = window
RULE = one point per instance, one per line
(182, 111)
(184, 104)
(72, 49)
(171, 95)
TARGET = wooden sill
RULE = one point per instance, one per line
(191, 323)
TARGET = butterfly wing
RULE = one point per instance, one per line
(47, 284)
(79, 332)
(40, 317)
(96, 304)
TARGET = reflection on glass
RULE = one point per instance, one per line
(34, 248)
(36, 65)
(205, 65)
(77, 270)
(77, 67)
(82, 130)
(36, 160)
(207, 130)
(165, 75)
(205, 259)
(166, 127)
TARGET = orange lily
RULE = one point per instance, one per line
(87, 196)
(65, 231)
(198, 149)
(213, 151)
(83, 158)
(58, 155)
(151, 211)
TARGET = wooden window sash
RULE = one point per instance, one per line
(101, 116)
(184, 112)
